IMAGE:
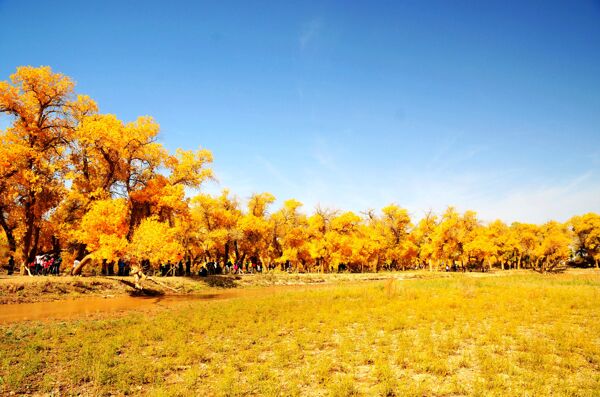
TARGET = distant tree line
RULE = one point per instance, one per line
(90, 186)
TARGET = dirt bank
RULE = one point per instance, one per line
(26, 289)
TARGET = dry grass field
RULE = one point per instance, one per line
(519, 334)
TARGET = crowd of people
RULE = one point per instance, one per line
(49, 264)
(45, 265)
(211, 267)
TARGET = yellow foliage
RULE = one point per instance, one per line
(586, 230)
(553, 245)
(189, 168)
(103, 229)
(96, 184)
(155, 241)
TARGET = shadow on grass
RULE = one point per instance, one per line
(553, 270)
(82, 286)
(220, 281)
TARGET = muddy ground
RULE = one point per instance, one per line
(27, 289)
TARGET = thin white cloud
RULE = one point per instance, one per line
(334, 180)
(309, 32)
(275, 172)
(492, 197)
(323, 155)
(539, 204)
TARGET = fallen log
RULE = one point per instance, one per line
(139, 277)
(77, 269)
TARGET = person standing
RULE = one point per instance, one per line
(57, 263)
(11, 265)
(75, 264)
(39, 261)
(121, 265)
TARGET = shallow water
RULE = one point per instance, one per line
(77, 308)
(69, 309)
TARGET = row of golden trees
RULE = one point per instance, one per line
(389, 240)
(86, 184)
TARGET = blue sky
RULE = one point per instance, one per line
(490, 106)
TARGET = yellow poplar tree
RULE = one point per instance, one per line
(290, 236)
(320, 249)
(399, 247)
(155, 241)
(526, 236)
(422, 235)
(553, 246)
(103, 230)
(341, 240)
(254, 229)
(44, 113)
(215, 221)
(586, 230)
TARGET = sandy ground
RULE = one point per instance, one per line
(26, 289)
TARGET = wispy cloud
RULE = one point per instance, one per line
(539, 204)
(323, 154)
(333, 178)
(276, 173)
(502, 194)
(309, 32)
(499, 197)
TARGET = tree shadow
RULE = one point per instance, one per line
(220, 281)
(552, 270)
(557, 270)
(146, 292)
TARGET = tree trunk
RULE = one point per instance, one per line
(55, 245)
(538, 265)
(29, 225)
(545, 265)
(131, 226)
(81, 248)
(237, 251)
(8, 231)
(36, 241)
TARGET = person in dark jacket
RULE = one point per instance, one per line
(11, 265)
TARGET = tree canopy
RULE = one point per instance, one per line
(90, 185)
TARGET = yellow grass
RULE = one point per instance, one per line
(459, 335)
